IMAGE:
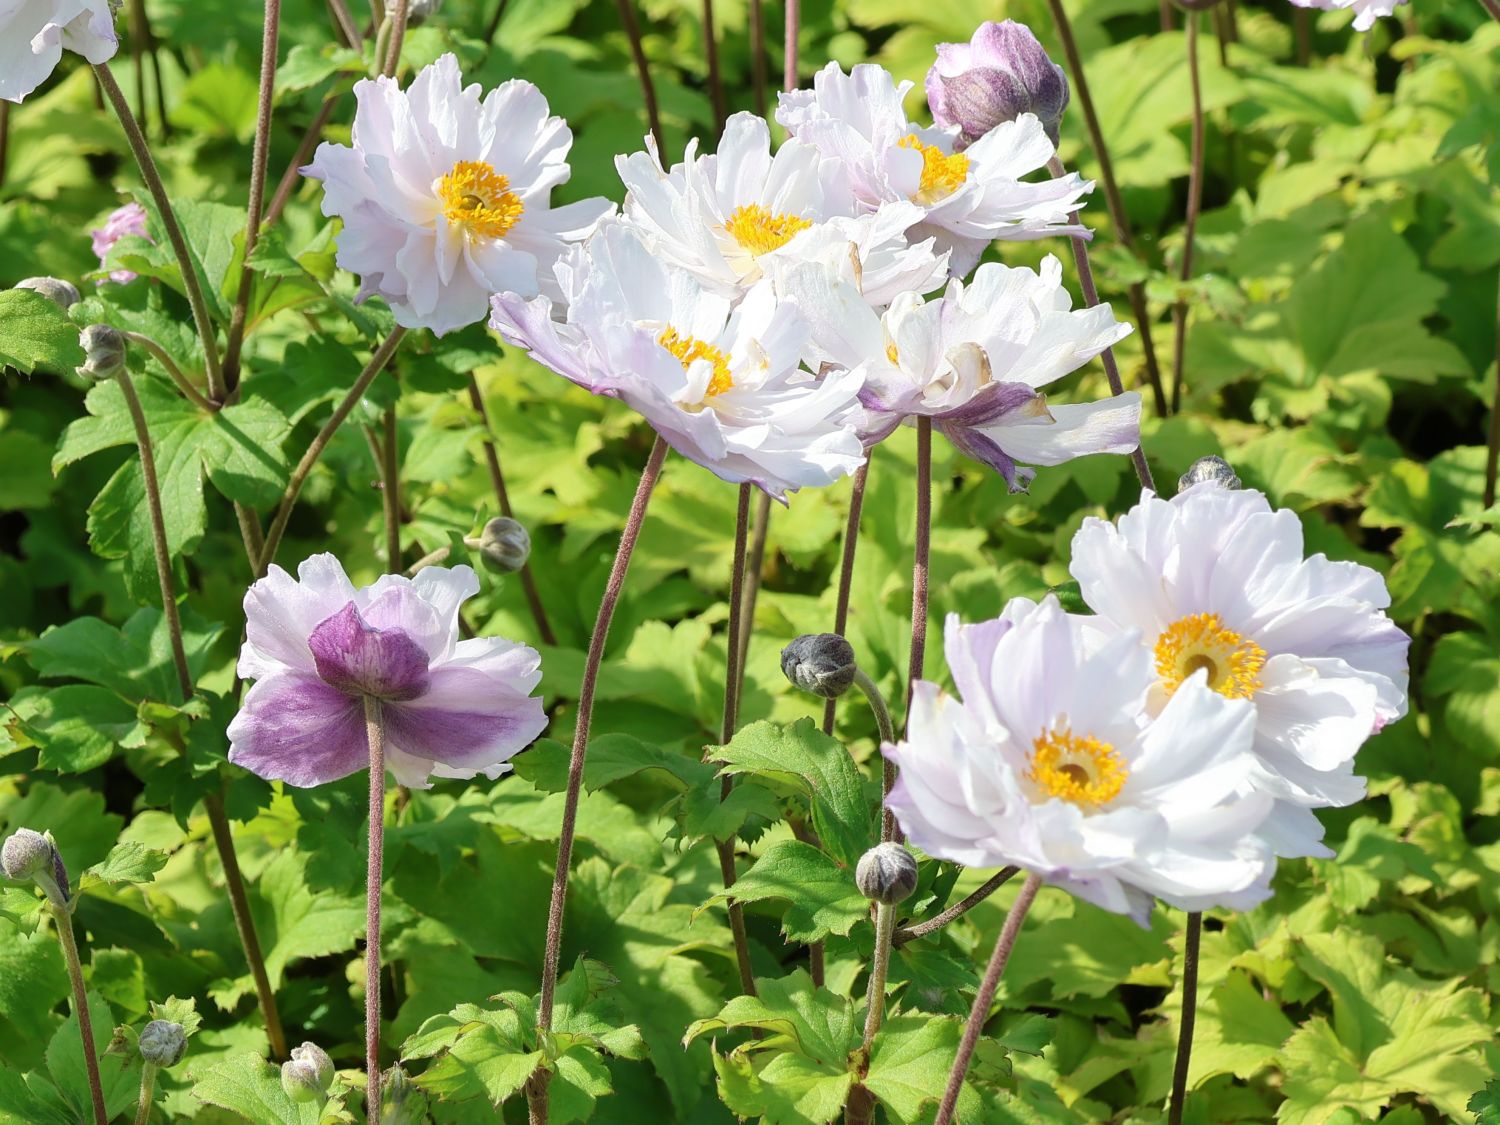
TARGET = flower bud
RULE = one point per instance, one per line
(887, 874)
(400, 1104)
(63, 294)
(419, 12)
(26, 855)
(104, 352)
(822, 663)
(1001, 73)
(308, 1075)
(163, 1043)
(504, 545)
(1211, 468)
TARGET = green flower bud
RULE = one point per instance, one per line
(163, 1043)
(887, 873)
(308, 1075)
(504, 545)
(822, 663)
(400, 1100)
(63, 294)
(104, 352)
(1207, 468)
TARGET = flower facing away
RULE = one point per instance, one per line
(1214, 581)
(1366, 12)
(999, 74)
(1047, 762)
(730, 217)
(33, 34)
(968, 198)
(720, 382)
(127, 219)
(316, 647)
(974, 362)
(445, 198)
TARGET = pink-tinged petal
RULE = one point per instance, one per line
(293, 727)
(358, 659)
(467, 721)
(1111, 425)
(281, 612)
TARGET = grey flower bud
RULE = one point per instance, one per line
(104, 352)
(887, 873)
(1001, 73)
(63, 294)
(308, 1075)
(1207, 468)
(26, 855)
(504, 545)
(163, 1043)
(419, 12)
(822, 663)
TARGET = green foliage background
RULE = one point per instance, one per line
(1341, 355)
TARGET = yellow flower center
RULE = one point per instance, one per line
(1077, 768)
(893, 354)
(479, 199)
(942, 174)
(760, 231)
(1233, 662)
(689, 349)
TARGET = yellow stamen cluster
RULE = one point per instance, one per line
(1233, 662)
(689, 349)
(1077, 768)
(479, 199)
(942, 174)
(760, 231)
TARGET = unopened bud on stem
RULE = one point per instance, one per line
(104, 352)
(1001, 73)
(504, 545)
(28, 855)
(821, 663)
(63, 294)
(1209, 468)
(163, 1043)
(886, 874)
(308, 1075)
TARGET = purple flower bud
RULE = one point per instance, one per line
(25, 854)
(129, 219)
(822, 663)
(103, 352)
(1001, 73)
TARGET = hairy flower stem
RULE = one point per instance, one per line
(846, 572)
(502, 497)
(1194, 205)
(293, 175)
(259, 156)
(343, 23)
(711, 53)
(392, 61)
(753, 567)
(1492, 456)
(793, 31)
(887, 734)
(62, 913)
(733, 676)
(1091, 298)
(920, 559)
(536, 1088)
(154, 185)
(1165, 12)
(860, 1107)
(293, 488)
(986, 996)
(139, 40)
(390, 488)
(375, 735)
(1191, 940)
(148, 1089)
(1492, 6)
(213, 803)
(1114, 202)
(643, 71)
(963, 906)
(190, 392)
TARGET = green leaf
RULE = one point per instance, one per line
(76, 727)
(798, 1017)
(910, 1060)
(1485, 1105)
(787, 1090)
(817, 766)
(119, 1076)
(36, 335)
(821, 895)
(131, 863)
(249, 1086)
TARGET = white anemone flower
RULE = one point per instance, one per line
(969, 198)
(974, 362)
(1366, 12)
(1215, 582)
(1047, 761)
(33, 34)
(730, 217)
(445, 199)
(720, 381)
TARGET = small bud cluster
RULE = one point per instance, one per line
(104, 352)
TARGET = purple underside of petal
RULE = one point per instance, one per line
(464, 739)
(984, 450)
(361, 660)
(297, 729)
(992, 403)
